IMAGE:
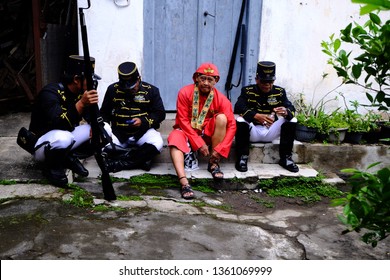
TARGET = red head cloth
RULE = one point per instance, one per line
(207, 69)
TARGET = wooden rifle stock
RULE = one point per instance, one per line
(99, 138)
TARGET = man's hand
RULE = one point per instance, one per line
(137, 122)
(89, 97)
(264, 119)
(204, 150)
(281, 111)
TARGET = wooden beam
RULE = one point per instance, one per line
(36, 7)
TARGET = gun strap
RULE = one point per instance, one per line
(103, 132)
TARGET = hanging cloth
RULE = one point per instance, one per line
(197, 119)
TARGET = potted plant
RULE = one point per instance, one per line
(372, 136)
(337, 127)
(311, 118)
(306, 128)
(358, 124)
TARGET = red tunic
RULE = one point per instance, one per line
(220, 105)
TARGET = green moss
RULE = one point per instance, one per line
(129, 198)
(8, 182)
(309, 189)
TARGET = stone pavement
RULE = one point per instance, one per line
(36, 224)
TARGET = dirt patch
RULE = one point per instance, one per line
(247, 202)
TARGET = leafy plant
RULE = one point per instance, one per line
(337, 119)
(358, 122)
(80, 197)
(374, 60)
(372, 5)
(312, 114)
(367, 206)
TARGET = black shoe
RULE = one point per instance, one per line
(74, 164)
(147, 165)
(114, 165)
(56, 176)
(242, 164)
(289, 164)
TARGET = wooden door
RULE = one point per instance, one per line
(179, 35)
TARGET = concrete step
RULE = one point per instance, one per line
(267, 153)
(255, 171)
(262, 162)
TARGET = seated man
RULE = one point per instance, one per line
(55, 121)
(265, 114)
(204, 117)
(135, 110)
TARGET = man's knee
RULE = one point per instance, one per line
(158, 143)
(221, 120)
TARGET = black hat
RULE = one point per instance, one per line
(266, 71)
(128, 73)
(75, 65)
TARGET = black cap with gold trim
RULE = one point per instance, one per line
(128, 73)
(75, 65)
(266, 70)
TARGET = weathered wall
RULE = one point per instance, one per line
(291, 35)
(292, 32)
(115, 35)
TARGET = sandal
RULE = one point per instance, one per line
(186, 190)
(215, 169)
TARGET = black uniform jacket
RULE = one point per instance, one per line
(54, 108)
(252, 101)
(119, 107)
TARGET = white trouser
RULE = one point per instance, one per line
(62, 139)
(261, 133)
(151, 136)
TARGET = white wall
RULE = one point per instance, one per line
(115, 35)
(291, 36)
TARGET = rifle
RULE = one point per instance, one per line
(240, 26)
(99, 135)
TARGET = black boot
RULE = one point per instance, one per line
(242, 146)
(85, 150)
(288, 164)
(54, 169)
(135, 158)
(74, 164)
(287, 135)
(113, 151)
(242, 163)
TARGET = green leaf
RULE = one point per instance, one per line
(370, 70)
(358, 30)
(337, 44)
(373, 165)
(327, 52)
(356, 71)
(380, 96)
(367, 9)
(344, 59)
(375, 18)
(341, 72)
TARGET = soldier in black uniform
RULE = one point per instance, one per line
(55, 120)
(135, 110)
(265, 114)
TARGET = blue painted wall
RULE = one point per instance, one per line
(181, 34)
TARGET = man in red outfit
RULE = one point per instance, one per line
(204, 118)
